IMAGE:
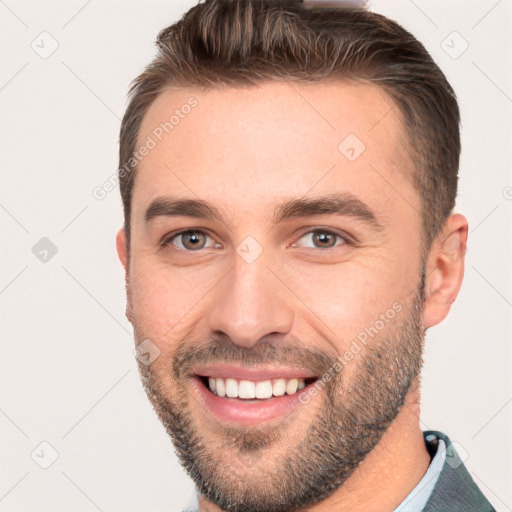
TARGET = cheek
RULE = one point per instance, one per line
(352, 297)
(165, 302)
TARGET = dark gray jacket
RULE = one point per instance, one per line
(455, 490)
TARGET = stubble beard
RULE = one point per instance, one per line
(230, 466)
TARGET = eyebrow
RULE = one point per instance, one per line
(343, 204)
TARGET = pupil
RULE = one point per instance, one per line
(323, 237)
(193, 238)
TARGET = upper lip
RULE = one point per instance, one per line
(255, 373)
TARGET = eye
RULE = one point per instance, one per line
(189, 240)
(323, 239)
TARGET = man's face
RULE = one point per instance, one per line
(268, 291)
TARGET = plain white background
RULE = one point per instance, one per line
(68, 373)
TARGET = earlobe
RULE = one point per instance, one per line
(122, 250)
(445, 270)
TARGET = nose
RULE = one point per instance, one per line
(250, 303)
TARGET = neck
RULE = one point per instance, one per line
(388, 473)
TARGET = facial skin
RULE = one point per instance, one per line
(357, 444)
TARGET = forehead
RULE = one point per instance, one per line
(249, 147)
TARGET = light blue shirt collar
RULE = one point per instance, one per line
(418, 497)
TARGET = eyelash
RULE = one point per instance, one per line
(167, 241)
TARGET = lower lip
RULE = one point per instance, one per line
(243, 412)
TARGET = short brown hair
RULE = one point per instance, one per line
(247, 42)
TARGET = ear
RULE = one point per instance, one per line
(122, 249)
(122, 252)
(445, 270)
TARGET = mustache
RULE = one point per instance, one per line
(268, 353)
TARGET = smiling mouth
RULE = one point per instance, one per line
(254, 391)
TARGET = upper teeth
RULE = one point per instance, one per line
(233, 388)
